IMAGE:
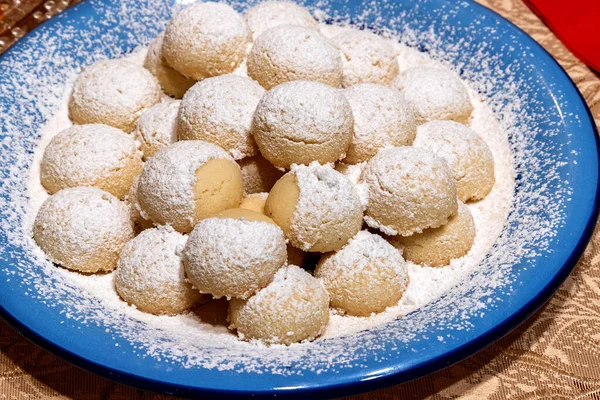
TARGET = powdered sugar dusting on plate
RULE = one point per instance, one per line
(192, 340)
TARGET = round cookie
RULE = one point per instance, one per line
(270, 14)
(437, 247)
(408, 190)
(293, 308)
(113, 92)
(83, 229)
(255, 202)
(318, 208)
(468, 156)
(291, 53)
(172, 82)
(382, 118)
(366, 57)
(300, 122)
(259, 174)
(91, 155)
(157, 127)
(234, 254)
(186, 182)
(434, 93)
(219, 110)
(205, 40)
(150, 273)
(366, 276)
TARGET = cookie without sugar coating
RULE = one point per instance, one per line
(275, 13)
(437, 247)
(219, 110)
(186, 182)
(382, 118)
(113, 92)
(157, 127)
(408, 190)
(293, 308)
(234, 253)
(255, 202)
(150, 273)
(83, 229)
(366, 58)
(291, 53)
(468, 156)
(91, 155)
(259, 174)
(366, 276)
(172, 82)
(300, 122)
(205, 40)
(317, 207)
(434, 93)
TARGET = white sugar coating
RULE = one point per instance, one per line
(192, 341)
(437, 247)
(157, 127)
(91, 155)
(219, 110)
(329, 211)
(382, 118)
(150, 273)
(299, 122)
(468, 156)
(435, 93)
(140, 223)
(274, 13)
(83, 229)
(409, 190)
(172, 82)
(113, 92)
(293, 308)
(366, 58)
(291, 53)
(352, 172)
(166, 185)
(206, 39)
(233, 257)
(259, 175)
(365, 276)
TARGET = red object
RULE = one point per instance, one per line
(576, 23)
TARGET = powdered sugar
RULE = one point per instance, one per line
(157, 127)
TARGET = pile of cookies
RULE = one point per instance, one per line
(214, 169)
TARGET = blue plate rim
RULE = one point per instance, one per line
(390, 376)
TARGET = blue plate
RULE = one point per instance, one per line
(554, 143)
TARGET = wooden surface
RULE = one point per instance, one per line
(555, 354)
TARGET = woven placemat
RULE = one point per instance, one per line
(555, 354)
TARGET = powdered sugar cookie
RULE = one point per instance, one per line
(382, 118)
(259, 174)
(468, 156)
(172, 82)
(113, 92)
(408, 190)
(91, 155)
(317, 208)
(300, 122)
(219, 110)
(234, 254)
(206, 39)
(365, 276)
(150, 273)
(275, 13)
(83, 229)
(157, 127)
(437, 247)
(290, 53)
(293, 308)
(366, 57)
(186, 182)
